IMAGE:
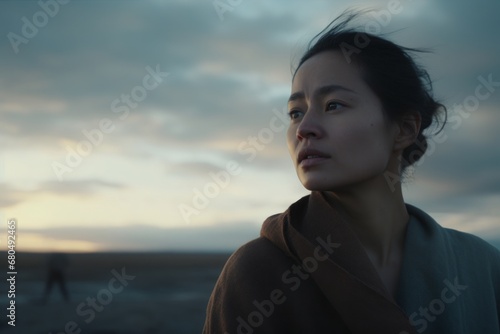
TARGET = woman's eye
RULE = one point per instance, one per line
(294, 114)
(331, 106)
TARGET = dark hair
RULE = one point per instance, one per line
(389, 70)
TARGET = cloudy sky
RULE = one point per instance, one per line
(159, 124)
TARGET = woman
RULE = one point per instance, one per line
(352, 257)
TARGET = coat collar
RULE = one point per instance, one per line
(346, 276)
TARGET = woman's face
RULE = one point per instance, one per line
(338, 134)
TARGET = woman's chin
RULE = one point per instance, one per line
(313, 184)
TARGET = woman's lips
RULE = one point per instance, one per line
(312, 161)
(310, 157)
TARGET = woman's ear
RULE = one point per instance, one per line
(409, 127)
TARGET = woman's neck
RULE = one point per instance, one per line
(378, 216)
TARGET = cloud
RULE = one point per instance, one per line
(192, 168)
(12, 196)
(225, 79)
(65, 89)
(77, 187)
(226, 237)
(221, 73)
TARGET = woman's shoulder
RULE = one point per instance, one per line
(471, 245)
(251, 278)
(257, 260)
(467, 252)
(460, 241)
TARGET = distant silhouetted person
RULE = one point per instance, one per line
(57, 264)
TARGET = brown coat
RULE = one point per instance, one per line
(308, 273)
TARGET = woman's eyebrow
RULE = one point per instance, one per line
(320, 92)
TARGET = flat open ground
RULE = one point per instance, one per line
(167, 294)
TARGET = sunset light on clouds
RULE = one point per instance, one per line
(160, 125)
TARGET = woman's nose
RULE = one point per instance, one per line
(309, 127)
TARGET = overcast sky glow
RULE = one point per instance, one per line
(155, 125)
